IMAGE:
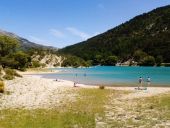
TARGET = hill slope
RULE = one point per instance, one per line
(35, 55)
(26, 44)
(149, 32)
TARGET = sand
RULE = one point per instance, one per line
(31, 92)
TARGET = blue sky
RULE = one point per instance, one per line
(64, 22)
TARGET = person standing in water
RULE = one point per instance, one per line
(148, 81)
(85, 74)
(140, 82)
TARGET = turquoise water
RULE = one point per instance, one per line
(108, 75)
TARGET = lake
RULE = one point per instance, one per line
(113, 75)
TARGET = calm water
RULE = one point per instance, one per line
(114, 75)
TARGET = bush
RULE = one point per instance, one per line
(101, 87)
(10, 74)
(0, 70)
(23, 69)
(56, 64)
(165, 64)
(9, 71)
(8, 77)
(22, 59)
(159, 60)
(73, 61)
(2, 87)
(1, 78)
(17, 75)
(43, 65)
(35, 64)
(148, 61)
(111, 61)
(139, 55)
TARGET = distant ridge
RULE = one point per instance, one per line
(149, 32)
(26, 44)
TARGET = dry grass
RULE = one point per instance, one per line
(79, 114)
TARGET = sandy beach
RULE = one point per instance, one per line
(31, 92)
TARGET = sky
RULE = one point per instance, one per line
(60, 23)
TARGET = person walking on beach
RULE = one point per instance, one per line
(74, 84)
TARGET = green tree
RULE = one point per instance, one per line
(74, 62)
(111, 61)
(148, 61)
(8, 62)
(7, 45)
(97, 60)
(159, 60)
(139, 55)
(35, 64)
(22, 59)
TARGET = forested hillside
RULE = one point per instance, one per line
(144, 39)
(16, 55)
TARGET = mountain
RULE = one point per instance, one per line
(149, 33)
(26, 44)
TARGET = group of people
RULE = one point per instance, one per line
(141, 80)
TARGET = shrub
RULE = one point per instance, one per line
(43, 65)
(22, 59)
(12, 72)
(9, 71)
(139, 55)
(0, 70)
(8, 77)
(159, 60)
(56, 64)
(35, 64)
(111, 61)
(17, 75)
(101, 87)
(23, 69)
(165, 64)
(1, 78)
(148, 61)
(2, 87)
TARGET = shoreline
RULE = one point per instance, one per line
(31, 92)
(41, 72)
(96, 85)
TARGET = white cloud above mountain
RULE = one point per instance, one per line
(78, 33)
(57, 33)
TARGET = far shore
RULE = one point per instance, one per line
(38, 71)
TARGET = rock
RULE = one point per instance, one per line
(101, 125)
(120, 115)
(167, 124)
(138, 118)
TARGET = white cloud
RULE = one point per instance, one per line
(38, 40)
(78, 33)
(96, 33)
(56, 33)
